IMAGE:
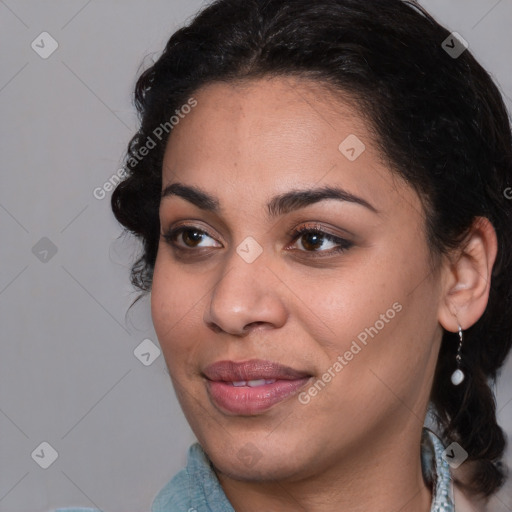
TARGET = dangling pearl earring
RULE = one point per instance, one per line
(458, 374)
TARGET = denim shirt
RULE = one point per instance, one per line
(197, 489)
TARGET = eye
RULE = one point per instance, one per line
(307, 239)
(189, 237)
(316, 240)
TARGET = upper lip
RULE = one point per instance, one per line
(255, 369)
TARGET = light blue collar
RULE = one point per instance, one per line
(197, 489)
(436, 471)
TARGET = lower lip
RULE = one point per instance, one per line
(246, 400)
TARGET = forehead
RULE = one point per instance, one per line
(287, 116)
(263, 137)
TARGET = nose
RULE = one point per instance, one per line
(245, 297)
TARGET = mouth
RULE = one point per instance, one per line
(251, 387)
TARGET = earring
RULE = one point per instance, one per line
(458, 374)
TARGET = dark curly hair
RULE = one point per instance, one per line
(440, 123)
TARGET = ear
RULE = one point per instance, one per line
(467, 277)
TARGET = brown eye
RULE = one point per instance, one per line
(312, 240)
(316, 242)
(190, 237)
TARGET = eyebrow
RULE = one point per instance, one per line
(278, 205)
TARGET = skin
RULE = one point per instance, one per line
(245, 143)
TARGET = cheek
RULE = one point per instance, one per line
(175, 307)
(340, 307)
(379, 320)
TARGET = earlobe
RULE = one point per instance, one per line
(467, 280)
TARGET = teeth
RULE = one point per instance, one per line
(256, 383)
(260, 382)
(253, 383)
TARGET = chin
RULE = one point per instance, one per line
(273, 469)
(248, 459)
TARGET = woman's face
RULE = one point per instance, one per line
(331, 334)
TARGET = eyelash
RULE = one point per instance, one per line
(342, 244)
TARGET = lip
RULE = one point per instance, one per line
(246, 400)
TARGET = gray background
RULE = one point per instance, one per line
(68, 374)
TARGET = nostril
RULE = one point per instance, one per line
(214, 327)
(253, 325)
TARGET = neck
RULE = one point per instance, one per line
(383, 475)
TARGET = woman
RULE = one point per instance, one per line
(320, 192)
